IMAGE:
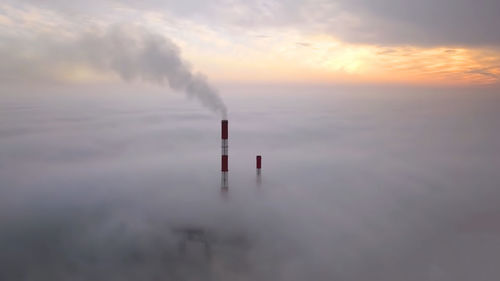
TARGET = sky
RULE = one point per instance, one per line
(445, 42)
(377, 122)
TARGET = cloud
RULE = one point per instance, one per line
(357, 184)
(239, 41)
(424, 23)
(484, 71)
(442, 22)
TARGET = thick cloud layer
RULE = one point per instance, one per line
(357, 184)
(427, 22)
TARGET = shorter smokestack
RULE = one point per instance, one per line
(259, 163)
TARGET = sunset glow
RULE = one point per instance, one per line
(232, 53)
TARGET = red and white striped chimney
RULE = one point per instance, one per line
(259, 163)
(224, 164)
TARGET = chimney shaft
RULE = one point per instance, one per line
(258, 163)
(224, 130)
(224, 158)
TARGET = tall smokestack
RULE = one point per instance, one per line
(224, 164)
(258, 163)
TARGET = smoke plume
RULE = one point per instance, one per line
(134, 53)
(129, 51)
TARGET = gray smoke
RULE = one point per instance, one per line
(135, 53)
(131, 52)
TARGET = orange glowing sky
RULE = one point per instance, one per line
(234, 47)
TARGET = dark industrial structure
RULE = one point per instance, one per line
(224, 164)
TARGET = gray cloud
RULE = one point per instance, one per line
(442, 22)
(484, 71)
